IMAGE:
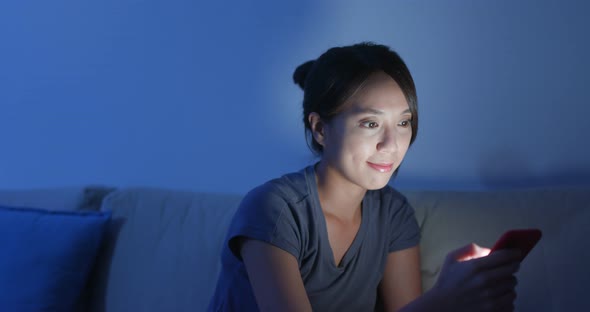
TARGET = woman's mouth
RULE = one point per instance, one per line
(381, 167)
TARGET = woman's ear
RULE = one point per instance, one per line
(317, 126)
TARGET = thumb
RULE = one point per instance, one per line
(468, 252)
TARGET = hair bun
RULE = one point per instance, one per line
(301, 72)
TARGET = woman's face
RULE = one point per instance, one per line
(368, 140)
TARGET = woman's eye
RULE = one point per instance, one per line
(370, 124)
(405, 123)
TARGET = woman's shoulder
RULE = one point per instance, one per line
(290, 187)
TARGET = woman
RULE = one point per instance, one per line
(334, 236)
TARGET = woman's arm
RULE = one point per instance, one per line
(401, 282)
(274, 276)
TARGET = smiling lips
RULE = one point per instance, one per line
(381, 167)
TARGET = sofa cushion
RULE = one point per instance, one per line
(162, 251)
(46, 257)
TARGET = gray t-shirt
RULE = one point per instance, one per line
(286, 213)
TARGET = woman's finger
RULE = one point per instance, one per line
(497, 275)
(502, 303)
(496, 259)
(501, 288)
(506, 302)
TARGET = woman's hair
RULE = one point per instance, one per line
(336, 75)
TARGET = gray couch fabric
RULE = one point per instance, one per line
(162, 250)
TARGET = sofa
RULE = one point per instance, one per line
(160, 249)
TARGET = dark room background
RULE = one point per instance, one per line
(198, 95)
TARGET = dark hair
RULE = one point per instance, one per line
(332, 79)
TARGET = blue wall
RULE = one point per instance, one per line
(198, 95)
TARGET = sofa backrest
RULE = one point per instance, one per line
(58, 198)
(161, 252)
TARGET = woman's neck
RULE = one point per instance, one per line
(338, 196)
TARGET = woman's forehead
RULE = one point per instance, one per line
(378, 95)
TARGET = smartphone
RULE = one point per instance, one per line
(523, 239)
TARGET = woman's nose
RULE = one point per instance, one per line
(388, 142)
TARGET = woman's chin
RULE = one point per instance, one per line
(376, 185)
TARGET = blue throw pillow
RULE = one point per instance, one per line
(46, 256)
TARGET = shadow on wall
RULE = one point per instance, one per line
(506, 169)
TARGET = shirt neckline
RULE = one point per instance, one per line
(325, 243)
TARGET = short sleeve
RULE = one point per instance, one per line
(265, 215)
(404, 231)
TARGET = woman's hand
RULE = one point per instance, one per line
(472, 279)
